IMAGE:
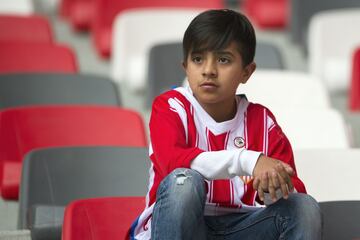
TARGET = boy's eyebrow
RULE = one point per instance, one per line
(222, 52)
(219, 52)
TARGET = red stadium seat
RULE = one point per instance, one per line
(102, 218)
(25, 28)
(267, 13)
(106, 11)
(81, 14)
(354, 91)
(36, 57)
(23, 129)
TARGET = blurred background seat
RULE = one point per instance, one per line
(107, 10)
(329, 174)
(28, 89)
(36, 57)
(96, 218)
(23, 129)
(340, 219)
(330, 53)
(54, 177)
(20, 7)
(275, 88)
(25, 28)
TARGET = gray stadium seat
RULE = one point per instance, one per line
(165, 66)
(340, 220)
(34, 89)
(165, 69)
(53, 177)
(302, 11)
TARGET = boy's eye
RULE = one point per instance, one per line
(196, 59)
(223, 60)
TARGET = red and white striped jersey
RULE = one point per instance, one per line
(181, 130)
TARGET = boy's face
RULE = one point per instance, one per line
(215, 75)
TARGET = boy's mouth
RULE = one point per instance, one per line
(208, 86)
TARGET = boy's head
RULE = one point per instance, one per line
(214, 30)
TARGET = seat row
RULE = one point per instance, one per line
(99, 201)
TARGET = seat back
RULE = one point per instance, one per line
(131, 46)
(28, 89)
(268, 56)
(330, 53)
(107, 10)
(165, 69)
(329, 174)
(18, 7)
(313, 128)
(56, 176)
(275, 89)
(23, 129)
(36, 57)
(303, 10)
(25, 28)
(340, 219)
(267, 14)
(96, 219)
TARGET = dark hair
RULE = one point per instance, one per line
(214, 30)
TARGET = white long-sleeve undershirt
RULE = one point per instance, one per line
(225, 164)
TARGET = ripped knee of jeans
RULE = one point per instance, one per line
(180, 178)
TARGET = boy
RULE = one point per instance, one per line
(216, 158)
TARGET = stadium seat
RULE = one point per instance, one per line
(165, 69)
(19, 7)
(340, 219)
(354, 89)
(36, 57)
(303, 10)
(131, 46)
(107, 10)
(54, 177)
(274, 88)
(81, 14)
(28, 89)
(311, 128)
(96, 219)
(330, 53)
(23, 129)
(329, 174)
(25, 28)
(267, 14)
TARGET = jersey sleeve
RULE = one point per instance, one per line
(280, 148)
(168, 139)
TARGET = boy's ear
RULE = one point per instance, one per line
(184, 65)
(248, 70)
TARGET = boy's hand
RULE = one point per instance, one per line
(271, 174)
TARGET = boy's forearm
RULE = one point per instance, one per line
(225, 164)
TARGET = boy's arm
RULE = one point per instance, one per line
(169, 149)
(280, 148)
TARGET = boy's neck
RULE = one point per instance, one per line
(221, 112)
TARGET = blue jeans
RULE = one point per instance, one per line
(179, 214)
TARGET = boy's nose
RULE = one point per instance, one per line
(209, 69)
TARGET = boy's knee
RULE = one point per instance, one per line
(306, 208)
(184, 181)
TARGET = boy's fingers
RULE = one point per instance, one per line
(284, 187)
(256, 183)
(288, 168)
(272, 191)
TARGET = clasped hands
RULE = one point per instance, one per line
(271, 175)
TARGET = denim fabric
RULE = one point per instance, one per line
(179, 214)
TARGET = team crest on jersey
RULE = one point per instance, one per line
(239, 142)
